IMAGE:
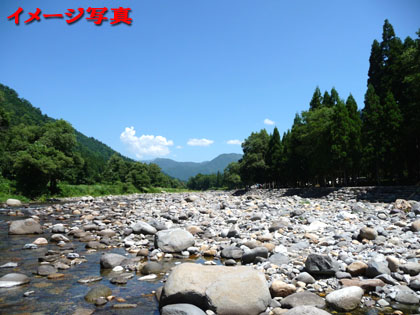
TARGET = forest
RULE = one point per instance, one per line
(334, 143)
(41, 156)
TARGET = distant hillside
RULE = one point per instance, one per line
(21, 111)
(185, 170)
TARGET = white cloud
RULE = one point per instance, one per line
(268, 122)
(235, 141)
(200, 142)
(179, 147)
(145, 145)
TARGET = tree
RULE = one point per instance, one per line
(316, 101)
(232, 179)
(372, 133)
(138, 175)
(355, 132)
(273, 157)
(253, 168)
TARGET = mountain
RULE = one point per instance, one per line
(20, 111)
(185, 170)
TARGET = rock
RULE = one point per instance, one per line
(367, 285)
(58, 228)
(402, 204)
(83, 311)
(100, 301)
(393, 263)
(224, 290)
(45, 270)
(13, 202)
(232, 252)
(279, 259)
(320, 265)
(191, 198)
(181, 309)
(306, 310)
(141, 227)
(173, 240)
(411, 268)
(151, 267)
(346, 299)
(148, 277)
(280, 289)
(13, 279)
(376, 268)
(368, 233)
(303, 298)
(250, 256)
(30, 246)
(97, 292)
(305, 278)
(405, 295)
(119, 279)
(54, 276)
(27, 226)
(107, 233)
(357, 268)
(124, 306)
(40, 241)
(415, 226)
(110, 260)
(9, 265)
(89, 279)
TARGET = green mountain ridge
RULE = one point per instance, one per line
(185, 170)
(94, 152)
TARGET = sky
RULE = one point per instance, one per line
(191, 79)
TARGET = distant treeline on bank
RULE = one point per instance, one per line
(334, 143)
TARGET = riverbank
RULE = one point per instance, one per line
(334, 252)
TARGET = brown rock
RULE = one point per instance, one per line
(281, 289)
(358, 268)
(55, 276)
(415, 226)
(367, 285)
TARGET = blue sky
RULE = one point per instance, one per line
(190, 75)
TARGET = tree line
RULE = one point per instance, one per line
(334, 143)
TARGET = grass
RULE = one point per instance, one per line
(7, 191)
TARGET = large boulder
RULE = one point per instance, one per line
(321, 265)
(173, 240)
(13, 279)
(225, 290)
(346, 299)
(111, 260)
(13, 202)
(182, 309)
(141, 227)
(27, 226)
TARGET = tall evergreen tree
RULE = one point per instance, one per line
(355, 146)
(273, 157)
(316, 101)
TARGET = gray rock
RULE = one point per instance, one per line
(97, 292)
(152, 267)
(141, 227)
(45, 270)
(303, 298)
(305, 277)
(27, 226)
(110, 260)
(405, 295)
(13, 279)
(278, 259)
(249, 257)
(224, 290)
(181, 309)
(306, 310)
(232, 252)
(411, 268)
(58, 228)
(376, 268)
(346, 299)
(320, 265)
(173, 240)
(9, 265)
